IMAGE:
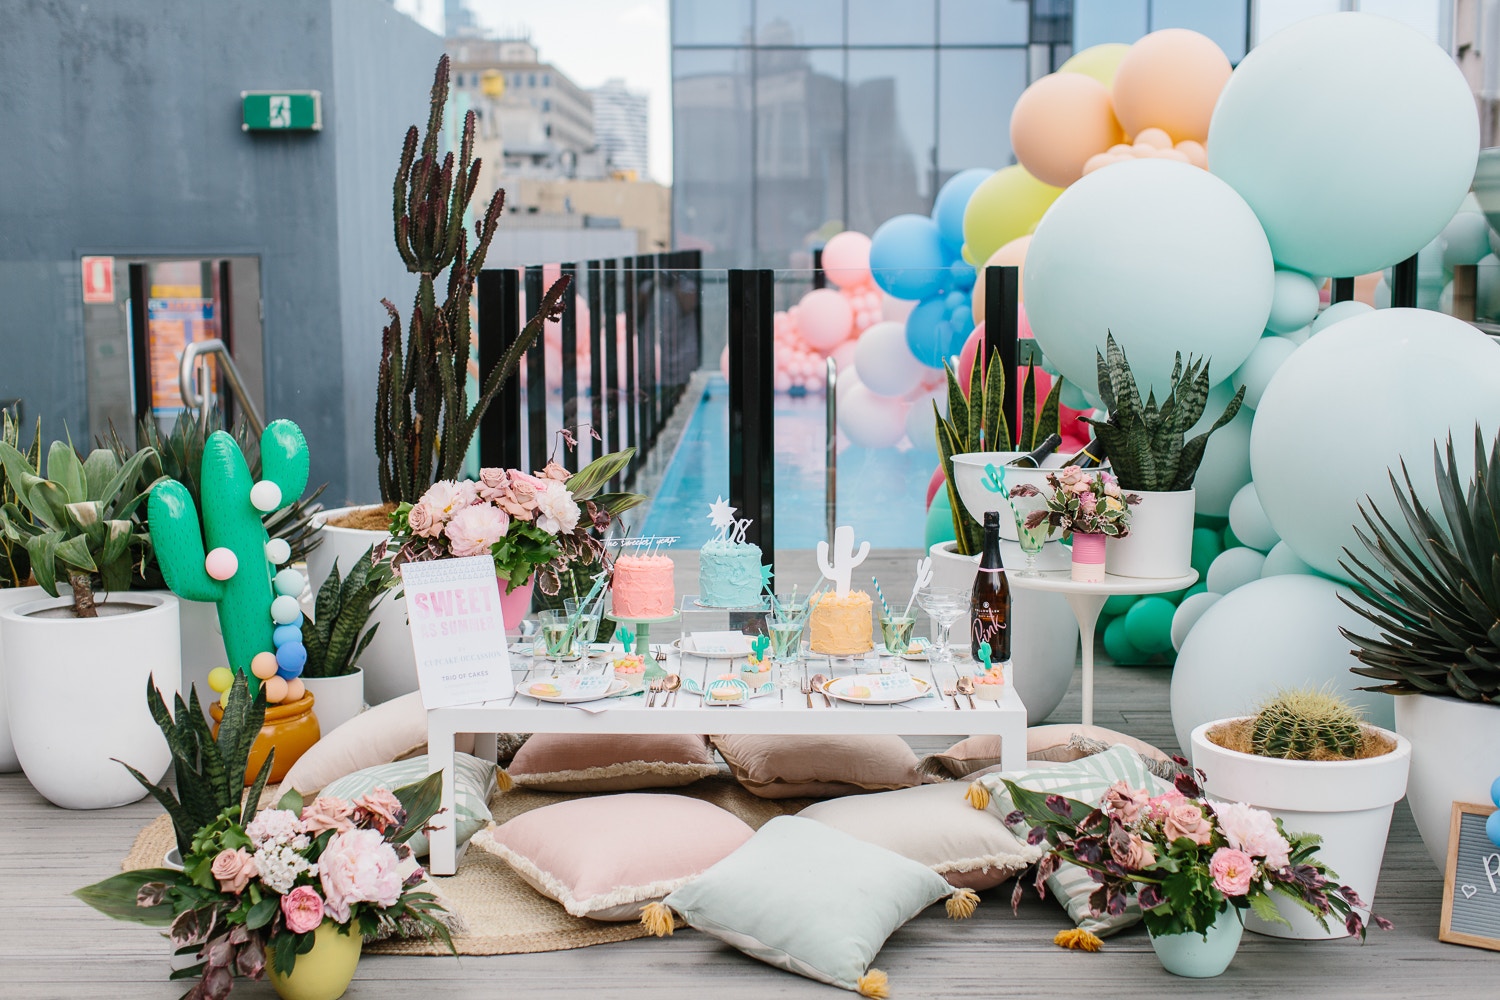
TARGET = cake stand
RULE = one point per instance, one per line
(1087, 600)
(642, 628)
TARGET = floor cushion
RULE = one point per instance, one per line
(1063, 743)
(558, 762)
(784, 767)
(474, 783)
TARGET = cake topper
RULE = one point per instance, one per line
(648, 542)
(984, 656)
(844, 559)
(721, 516)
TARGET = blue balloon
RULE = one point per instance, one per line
(907, 259)
(1492, 827)
(929, 334)
(290, 660)
(962, 275)
(948, 207)
(285, 634)
(1495, 792)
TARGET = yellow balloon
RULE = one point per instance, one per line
(1008, 204)
(220, 679)
(224, 700)
(1098, 61)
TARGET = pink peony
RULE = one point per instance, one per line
(1187, 820)
(557, 514)
(302, 909)
(273, 826)
(380, 807)
(358, 867)
(1158, 806)
(325, 813)
(474, 530)
(1254, 831)
(422, 523)
(442, 500)
(1124, 802)
(1232, 871)
(233, 870)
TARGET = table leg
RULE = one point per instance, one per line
(442, 837)
(1086, 608)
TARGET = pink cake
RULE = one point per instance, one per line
(642, 587)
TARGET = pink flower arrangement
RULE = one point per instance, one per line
(1082, 503)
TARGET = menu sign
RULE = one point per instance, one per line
(457, 631)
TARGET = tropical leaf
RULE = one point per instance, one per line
(1192, 451)
(116, 896)
(590, 479)
(421, 800)
(958, 405)
(996, 421)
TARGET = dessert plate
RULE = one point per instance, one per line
(877, 689)
(725, 686)
(917, 650)
(573, 688)
(686, 646)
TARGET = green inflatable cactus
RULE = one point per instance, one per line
(235, 572)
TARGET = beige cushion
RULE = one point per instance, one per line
(390, 731)
(1059, 744)
(552, 762)
(785, 767)
(936, 826)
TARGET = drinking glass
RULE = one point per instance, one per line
(944, 606)
(557, 635)
(587, 617)
(785, 624)
(788, 607)
(895, 632)
(1031, 539)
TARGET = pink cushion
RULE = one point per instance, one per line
(784, 767)
(553, 762)
(607, 857)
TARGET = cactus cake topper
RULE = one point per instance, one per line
(844, 559)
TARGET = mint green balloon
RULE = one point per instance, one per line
(1119, 604)
(1148, 625)
(1201, 587)
(939, 525)
(1119, 647)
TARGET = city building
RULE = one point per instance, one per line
(564, 112)
(621, 127)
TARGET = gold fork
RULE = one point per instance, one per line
(656, 686)
(807, 691)
(951, 691)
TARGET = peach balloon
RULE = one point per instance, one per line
(1058, 123)
(1195, 153)
(846, 259)
(1171, 80)
(263, 665)
(295, 689)
(1013, 254)
(276, 689)
(1154, 137)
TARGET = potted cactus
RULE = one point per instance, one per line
(1309, 758)
(1427, 583)
(336, 637)
(75, 663)
(1152, 456)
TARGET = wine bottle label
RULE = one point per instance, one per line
(989, 626)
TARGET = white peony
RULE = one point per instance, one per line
(1253, 831)
(557, 514)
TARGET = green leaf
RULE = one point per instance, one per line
(615, 504)
(421, 800)
(64, 469)
(1028, 437)
(261, 913)
(115, 896)
(252, 800)
(291, 800)
(590, 479)
(1048, 421)
(958, 410)
(1265, 908)
(98, 469)
(996, 420)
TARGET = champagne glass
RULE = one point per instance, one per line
(786, 647)
(557, 635)
(944, 606)
(1031, 540)
(587, 617)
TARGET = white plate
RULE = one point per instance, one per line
(685, 646)
(877, 689)
(746, 691)
(575, 688)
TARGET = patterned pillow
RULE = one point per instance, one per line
(1085, 780)
(474, 783)
(594, 762)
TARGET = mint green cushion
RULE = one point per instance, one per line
(1085, 780)
(810, 899)
(474, 783)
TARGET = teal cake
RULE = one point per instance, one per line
(729, 574)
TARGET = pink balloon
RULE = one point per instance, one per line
(843, 356)
(846, 259)
(724, 362)
(824, 318)
(783, 382)
(221, 563)
(934, 484)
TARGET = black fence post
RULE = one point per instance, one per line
(611, 335)
(570, 414)
(695, 264)
(499, 326)
(820, 280)
(140, 341)
(1404, 284)
(1002, 292)
(752, 438)
(631, 402)
(536, 375)
(645, 362)
(1343, 290)
(596, 358)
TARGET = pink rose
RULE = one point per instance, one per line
(556, 472)
(493, 484)
(1187, 820)
(380, 807)
(422, 523)
(358, 867)
(1232, 871)
(1087, 503)
(325, 813)
(1158, 806)
(1124, 802)
(1132, 852)
(232, 870)
(302, 909)
(474, 530)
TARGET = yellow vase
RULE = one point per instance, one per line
(324, 972)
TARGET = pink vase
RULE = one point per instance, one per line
(1088, 557)
(515, 604)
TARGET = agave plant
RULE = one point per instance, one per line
(980, 423)
(1433, 591)
(15, 561)
(335, 638)
(1147, 442)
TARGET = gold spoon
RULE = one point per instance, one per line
(670, 685)
(818, 682)
(966, 688)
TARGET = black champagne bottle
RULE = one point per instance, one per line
(1034, 459)
(989, 605)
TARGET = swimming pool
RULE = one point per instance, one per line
(881, 492)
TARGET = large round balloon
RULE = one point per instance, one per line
(1226, 461)
(929, 335)
(846, 259)
(1255, 374)
(1170, 80)
(1008, 204)
(1249, 522)
(1013, 254)
(824, 318)
(906, 257)
(1447, 372)
(869, 420)
(1295, 303)
(952, 199)
(884, 362)
(1097, 61)
(1059, 122)
(1271, 634)
(921, 421)
(1162, 254)
(1295, 133)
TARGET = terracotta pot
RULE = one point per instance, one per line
(291, 728)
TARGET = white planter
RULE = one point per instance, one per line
(1455, 755)
(1160, 543)
(389, 664)
(336, 700)
(76, 691)
(969, 477)
(1044, 640)
(1348, 803)
(9, 598)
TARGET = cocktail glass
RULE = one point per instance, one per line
(944, 606)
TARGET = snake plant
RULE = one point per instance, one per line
(336, 636)
(1433, 590)
(1147, 442)
(15, 561)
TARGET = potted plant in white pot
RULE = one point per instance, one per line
(1431, 588)
(1310, 760)
(1151, 456)
(336, 637)
(75, 665)
(16, 583)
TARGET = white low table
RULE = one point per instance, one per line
(782, 712)
(1087, 600)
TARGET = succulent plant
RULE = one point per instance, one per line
(1307, 724)
(15, 561)
(979, 423)
(1433, 591)
(423, 421)
(336, 637)
(1146, 441)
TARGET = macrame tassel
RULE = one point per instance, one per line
(1078, 939)
(962, 904)
(874, 984)
(503, 780)
(657, 919)
(978, 796)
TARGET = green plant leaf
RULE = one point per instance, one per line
(958, 410)
(996, 421)
(252, 800)
(1192, 451)
(64, 469)
(116, 896)
(590, 479)
(1048, 421)
(421, 800)
(1028, 438)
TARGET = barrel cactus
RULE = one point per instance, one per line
(1307, 725)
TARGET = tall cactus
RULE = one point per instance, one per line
(232, 506)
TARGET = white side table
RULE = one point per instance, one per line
(1087, 600)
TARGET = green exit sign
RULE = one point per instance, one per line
(282, 110)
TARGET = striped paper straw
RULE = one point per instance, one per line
(881, 596)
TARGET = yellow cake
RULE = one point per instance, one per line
(841, 626)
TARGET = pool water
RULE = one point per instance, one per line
(881, 492)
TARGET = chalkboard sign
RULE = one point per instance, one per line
(1471, 882)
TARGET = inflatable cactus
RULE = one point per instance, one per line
(259, 615)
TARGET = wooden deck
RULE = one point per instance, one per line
(54, 947)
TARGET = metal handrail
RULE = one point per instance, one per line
(831, 460)
(188, 384)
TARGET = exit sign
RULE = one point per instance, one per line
(282, 110)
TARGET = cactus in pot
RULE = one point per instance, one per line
(1307, 724)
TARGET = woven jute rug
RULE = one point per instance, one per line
(498, 913)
